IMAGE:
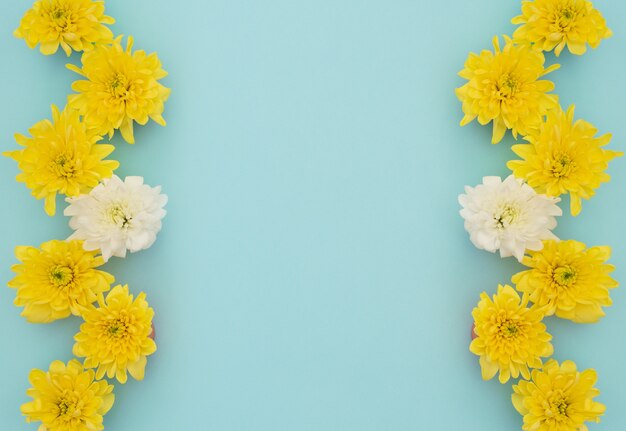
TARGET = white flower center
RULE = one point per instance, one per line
(507, 215)
(120, 216)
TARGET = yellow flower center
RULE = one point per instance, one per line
(61, 19)
(507, 215)
(508, 328)
(61, 275)
(68, 407)
(562, 165)
(118, 328)
(119, 86)
(64, 407)
(507, 86)
(564, 17)
(58, 14)
(564, 276)
(557, 407)
(63, 166)
(119, 217)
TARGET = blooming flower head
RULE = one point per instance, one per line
(553, 24)
(115, 337)
(57, 280)
(117, 216)
(564, 156)
(61, 157)
(504, 87)
(568, 279)
(67, 398)
(121, 87)
(558, 398)
(508, 216)
(510, 337)
(73, 24)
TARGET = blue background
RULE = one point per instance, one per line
(313, 272)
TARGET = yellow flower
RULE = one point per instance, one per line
(510, 337)
(115, 337)
(67, 398)
(552, 24)
(567, 279)
(121, 87)
(559, 398)
(57, 280)
(61, 157)
(504, 87)
(73, 24)
(564, 156)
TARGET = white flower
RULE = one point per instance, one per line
(117, 216)
(508, 215)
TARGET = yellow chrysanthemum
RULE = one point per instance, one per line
(115, 337)
(568, 280)
(504, 87)
(553, 24)
(510, 337)
(62, 157)
(67, 398)
(564, 156)
(57, 280)
(558, 398)
(73, 24)
(121, 87)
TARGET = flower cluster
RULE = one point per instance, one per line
(504, 85)
(120, 87)
(561, 156)
(110, 216)
(511, 340)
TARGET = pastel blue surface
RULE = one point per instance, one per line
(313, 272)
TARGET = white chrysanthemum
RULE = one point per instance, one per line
(117, 216)
(508, 216)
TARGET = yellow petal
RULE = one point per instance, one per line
(137, 368)
(50, 204)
